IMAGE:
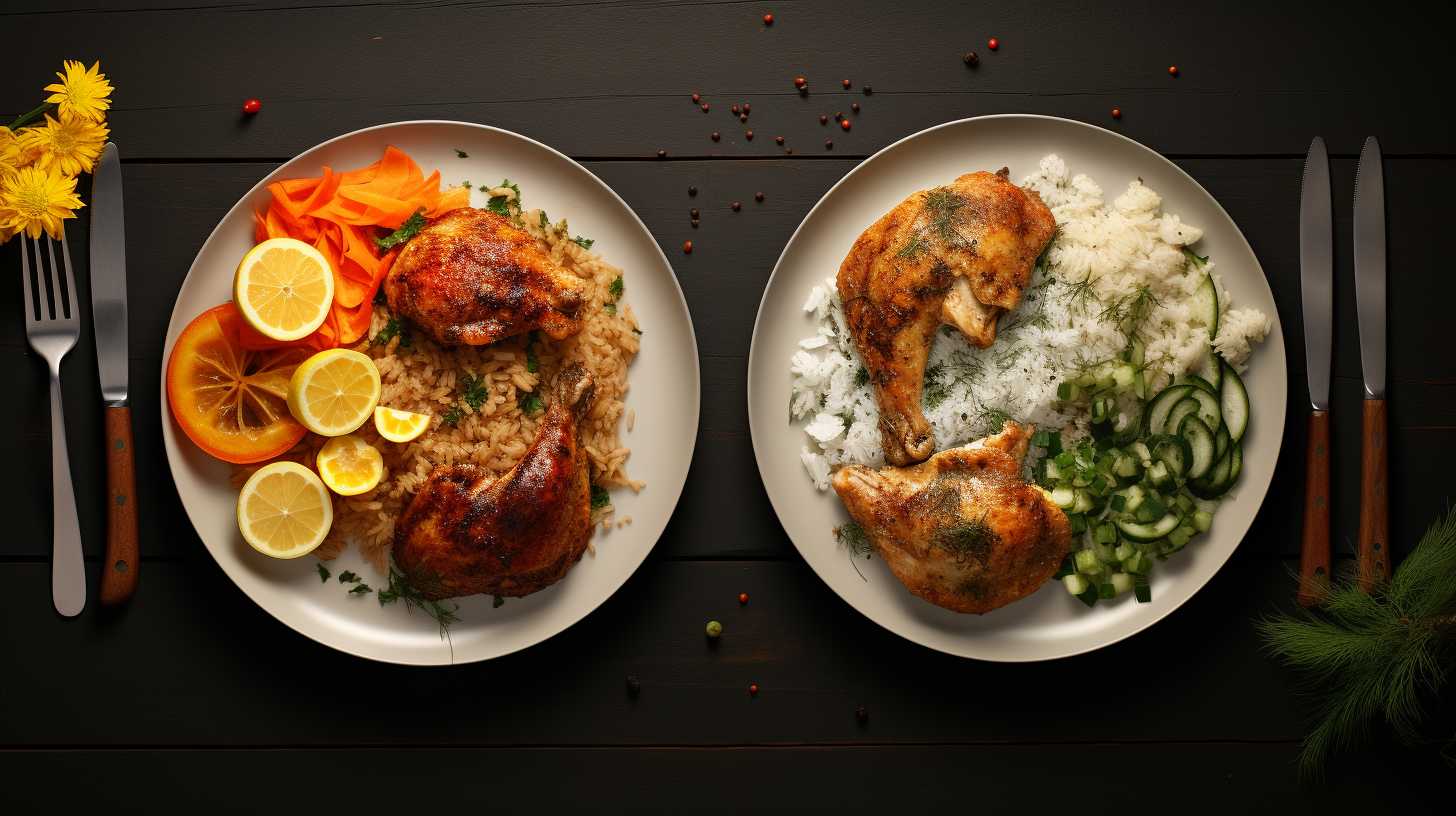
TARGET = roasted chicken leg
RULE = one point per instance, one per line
(472, 277)
(465, 533)
(961, 530)
(960, 254)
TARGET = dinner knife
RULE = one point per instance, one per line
(1374, 543)
(108, 318)
(1316, 291)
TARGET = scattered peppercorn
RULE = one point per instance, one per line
(768, 19)
(742, 118)
(1172, 70)
(661, 154)
(736, 206)
(634, 686)
(993, 43)
(800, 82)
(854, 106)
(868, 90)
(846, 84)
(861, 714)
(838, 115)
(748, 134)
(687, 247)
(697, 98)
(778, 140)
(717, 135)
(828, 144)
(844, 123)
(692, 190)
(971, 59)
(747, 108)
(693, 213)
(804, 91)
(753, 689)
(694, 222)
(758, 197)
(705, 107)
(823, 119)
(252, 106)
(743, 598)
(714, 629)
(734, 110)
(789, 150)
(1117, 113)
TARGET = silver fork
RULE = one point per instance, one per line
(52, 327)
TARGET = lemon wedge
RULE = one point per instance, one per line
(400, 426)
(284, 510)
(334, 392)
(349, 465)
(284, 288)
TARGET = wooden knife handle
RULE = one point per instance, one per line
(1314, 555)
(1374, 499)
(119, 573)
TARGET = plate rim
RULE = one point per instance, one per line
(754, 421)
(170, 433)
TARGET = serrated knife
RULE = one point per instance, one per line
(1374, 549)
(1316, 291)
(108, 317)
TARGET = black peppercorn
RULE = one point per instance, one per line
(717, 135)
(758, 197)
(828, 144)
(736, 206)
(692, 190)
(971, 59)
(693, 213)
(868, 90)
(854, 106)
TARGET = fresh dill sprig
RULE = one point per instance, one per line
(1008, 357)
(1374, 656)
(861, 377)
(992, 420)
(968, 540)
(940, 223)
(937, 389)
(853, 538)
(1130, 311)
(1080, 293)
(400, 589)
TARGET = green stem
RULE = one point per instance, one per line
(22, 119)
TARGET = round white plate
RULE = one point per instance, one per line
(1050, 623)
(664, 393)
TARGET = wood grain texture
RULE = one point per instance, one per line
(1314, 554)
(122, 563)
(1374, 542)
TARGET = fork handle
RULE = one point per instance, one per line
(1314, 554)
(68, 566)
(1374, 541)
(119, 571)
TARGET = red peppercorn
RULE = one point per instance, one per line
(697, 97)
(734, 110)
(705, 107)
(823, 120)
(252, 106)
(687, 247)
(854, 106)
(846, 84)
(747, 108)
(778, 140)
(800, 82)
(993, 43)
(828, 144)
(753, 689)
(717, 135)
(742, 117)
(844, 123)
(748, 134)
(1117, 113)
(1172, 70)
(768, 19)
(736, 206)
(758, 197)
(743, 598)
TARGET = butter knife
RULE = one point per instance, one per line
(1316, 291)
(1374, 542)
(108, 317)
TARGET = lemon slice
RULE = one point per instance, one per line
(284, 288)
(399, 426)
(349, 465)
(284, 510)
(334, 392)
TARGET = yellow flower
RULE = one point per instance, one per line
(33, 200)
(9, 149)
(73, 144)
(83, 92)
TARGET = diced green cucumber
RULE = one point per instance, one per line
(1155, 417)
(1141, 589)
(1140, 450)
(1082, 502)
(1122, 376)
(1200, 443)
(1124, 551)
(1202, 520)
(1151, 531)
(1234, 403)
(1122, 583)
(1172, 451)
(1159, 476)
(1133, 496)
(1088, 563)
(1064, 497)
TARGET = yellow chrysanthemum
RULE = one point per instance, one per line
(73, 144)
(33, 200)
(82, 91)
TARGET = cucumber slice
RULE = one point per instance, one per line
(1200, 442)
(1234, 403)
(1156, 416)
(1173, 451)
(1210, 368)
(1221, 443)
(1204, 305)
(1195, 379)
(1215, 482)
(1133, 497)
(1138, 531)
(1185, 406)
(1064, 497)
(1121, 583)
(1075, 584)
(1236, 463)
(1208, 409)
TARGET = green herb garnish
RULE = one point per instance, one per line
(389, 332)
(532, 364)
(530, 403)
(600, 497)
(473, 390)
(615, 288)
(861, 377)
(504, 205)
(968, 540)
(400, 589)
(1198, 260)
(349, 577)
(361, 589)
(406, 231)
(461, 153)
(323, 572)
(584, 243)
(852, 537)
(545, 222)
(496, 602)
(609, 308)
(452, 416)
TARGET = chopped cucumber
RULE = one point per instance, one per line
(1202, 520)
(1122, 582)
(1075, 584)
(1139, 531)
(1064, 497)
(1156, 415)
(1200, 443)
(1088, 563)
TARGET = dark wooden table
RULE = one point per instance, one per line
(195, 695)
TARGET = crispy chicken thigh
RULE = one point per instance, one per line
(960, 254)
(961, 530)
(472, 277)
(466, 533)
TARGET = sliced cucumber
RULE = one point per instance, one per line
(1200, 442)
(1215, 482)
(1132, 497)
(1138, 531)
(1160, 476)
(1204, 305)
(1172, 451)
(1236, 463)
(1064, 497)
(1234, 403)
(1156, 416)
(1208, 409)
(1185, 406)
(1210, 369)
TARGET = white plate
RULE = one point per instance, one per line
(1050, 623)
(664, 393)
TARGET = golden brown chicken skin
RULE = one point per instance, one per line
(961, 530)
(472, 277)
(465, 533)
(960, 254)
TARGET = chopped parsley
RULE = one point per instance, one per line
(600, 497)
(323, 572)
(406, 231)
(502, 204)
(497, 601)
(473, 390)
(585, 243)
(452, 416)
(461, 153)
(394, 328)
(615, 288)
(609, 308)
(861, 377)
(465, 184)
(530, 403)
(532, 364)
(361, 589)
(545, 222)
(349, 577)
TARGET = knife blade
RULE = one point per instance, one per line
(108, 318)
(1370, 306)
(1316, 290)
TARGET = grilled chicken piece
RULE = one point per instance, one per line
(466, 533)
(472, 277)
(960, 254)
(961, 530)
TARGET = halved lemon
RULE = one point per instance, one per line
(400, 426)
(334, 392)
(284, 510)
(349, 465)
(284, 288)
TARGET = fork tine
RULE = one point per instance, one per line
(53, 280)
(27, 282)
(72, 307)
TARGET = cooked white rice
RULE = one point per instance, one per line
(1112, 249)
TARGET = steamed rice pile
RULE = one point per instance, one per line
(1104, 254)
(419, 375)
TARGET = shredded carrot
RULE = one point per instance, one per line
(340, 214)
